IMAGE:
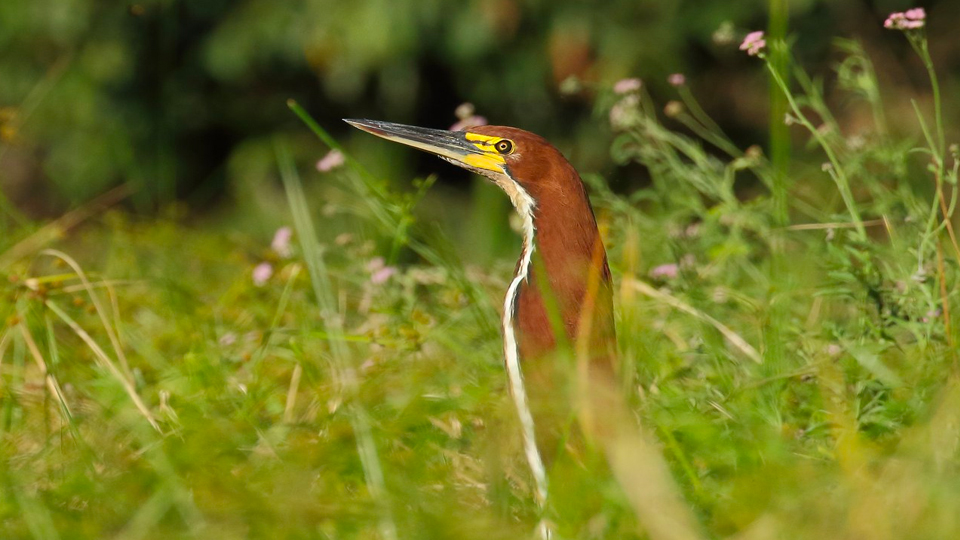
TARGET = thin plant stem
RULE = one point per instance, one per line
(839, 176)
(944, 300)
(704, 132)
(924, 51)
(691, 102)
(948, 214)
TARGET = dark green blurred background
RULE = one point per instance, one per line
(183, 98)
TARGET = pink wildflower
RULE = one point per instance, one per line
(916, 14)
(262, 273)
(665, 271)
(228, 339)
(470, 122)
(912, 19)
(753, 43)
(677, 79)
(625, 86)
(331, 161)
(382, 275)
(466, 113)
(281, 242)
(379, 271)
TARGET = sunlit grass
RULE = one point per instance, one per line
(795, 381)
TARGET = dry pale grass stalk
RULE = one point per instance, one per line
(837, 225)
(678, 304)
(101, 312)
(4, 341)
(105, 284)
(106, 361)
(49, 379)
(292, 394)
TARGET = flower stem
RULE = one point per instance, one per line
(924, 51)
(840, 176)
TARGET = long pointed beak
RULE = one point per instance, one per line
(450, 145)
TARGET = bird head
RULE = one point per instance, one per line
(519, 162)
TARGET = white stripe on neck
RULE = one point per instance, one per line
(524, 205)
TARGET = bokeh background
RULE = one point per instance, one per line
(197, 341)
(182, 99)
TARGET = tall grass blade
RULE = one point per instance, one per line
(326, 300)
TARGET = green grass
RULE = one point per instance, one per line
(799, 381)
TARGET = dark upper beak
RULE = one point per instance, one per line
(449, 144)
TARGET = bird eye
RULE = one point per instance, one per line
(504, 146)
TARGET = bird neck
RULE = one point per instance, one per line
(562, 253)
(562, 257)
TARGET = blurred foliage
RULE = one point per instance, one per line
(165, 373)
(168, 94)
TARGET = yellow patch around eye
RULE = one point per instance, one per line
(487, 143)
(483, 142)
(476, 137)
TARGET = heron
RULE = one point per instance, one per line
(561, 295)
